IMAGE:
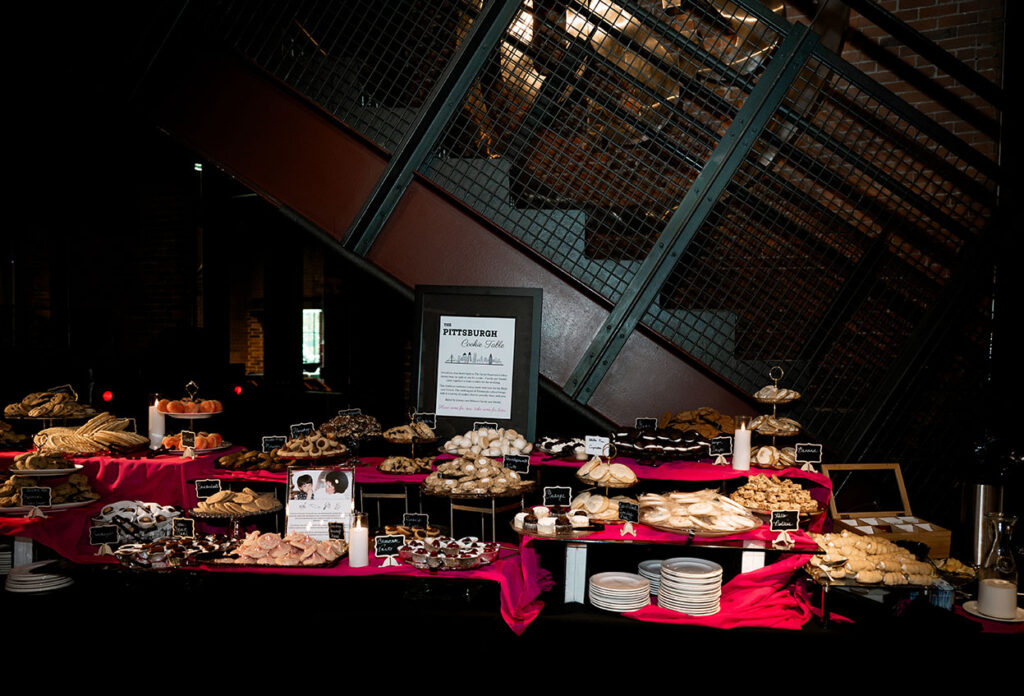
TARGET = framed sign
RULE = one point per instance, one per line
(479, 356)
(317, 498)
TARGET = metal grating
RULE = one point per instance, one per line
(843, 242)
(590, 123)
(840, 230)
(371, 64)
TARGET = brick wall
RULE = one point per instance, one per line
(971, 30)
(254, 345)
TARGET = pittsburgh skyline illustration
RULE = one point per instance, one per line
(471, 358)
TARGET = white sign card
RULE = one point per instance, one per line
(596, 445)
(317, 497)
(474, 367)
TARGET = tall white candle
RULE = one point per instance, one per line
(157, 426)
(359, 543)
(741, 446)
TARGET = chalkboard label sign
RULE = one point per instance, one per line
(785, 520)
(387, 545)
(273, 442)
(103, 534)
(64, 389)
(207, 487)
(629, 512)
(299, 429)
(519, 463)
(484, 424)
(335, 530)
(188, 439)
(183, 527)
(720, 445)
(429, 418)
(557, 495)
(36, 496)
(416, 519)
(597, 445)
(808, 453)
(351, 412)
(646, 423)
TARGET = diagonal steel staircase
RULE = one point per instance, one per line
(702, 188)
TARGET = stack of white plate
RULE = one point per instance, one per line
(652, 571)
(619, 591)
(22, 579)
(690, 586)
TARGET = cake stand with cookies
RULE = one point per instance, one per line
(476, 478)
(775, 426)
(234, 506)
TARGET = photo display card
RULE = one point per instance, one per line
(317, 498)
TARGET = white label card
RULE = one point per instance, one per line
(597, 445)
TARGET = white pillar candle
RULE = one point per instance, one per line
(997, 598)
(741, 445)
(157, 426)
(359, 543)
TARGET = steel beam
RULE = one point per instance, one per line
(689, 216)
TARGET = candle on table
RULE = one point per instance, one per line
(359, 543)
(741, 444)
(157, 427)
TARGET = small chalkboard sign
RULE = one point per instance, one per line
(597, 445)
(429, 418)
(557, 495)
(629, 512)
(808, 452)
(64, 389)
(519, 463)
(103, 534)
(188, 439)
(416, 519)
(335, 530)
(646, 423)
(183, 527)
(720, 445)
(484, 424)
(351, 412)
(387, 545)
(785, 520)
(36, 496)
(273, 442)
(299, 429)
(207, 487)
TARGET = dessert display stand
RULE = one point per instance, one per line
(462, 503)
(377, 496)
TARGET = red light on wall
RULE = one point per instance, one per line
(108, 395)
(238, 389)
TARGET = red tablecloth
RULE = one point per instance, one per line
(760, 598)
(517, 571)
(169, 481)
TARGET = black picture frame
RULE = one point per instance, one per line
(522, 304)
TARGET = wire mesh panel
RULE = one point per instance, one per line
(845, 229)
(369, 63)
(590, 122)
(828, 248)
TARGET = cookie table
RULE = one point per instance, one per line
(162, 479)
